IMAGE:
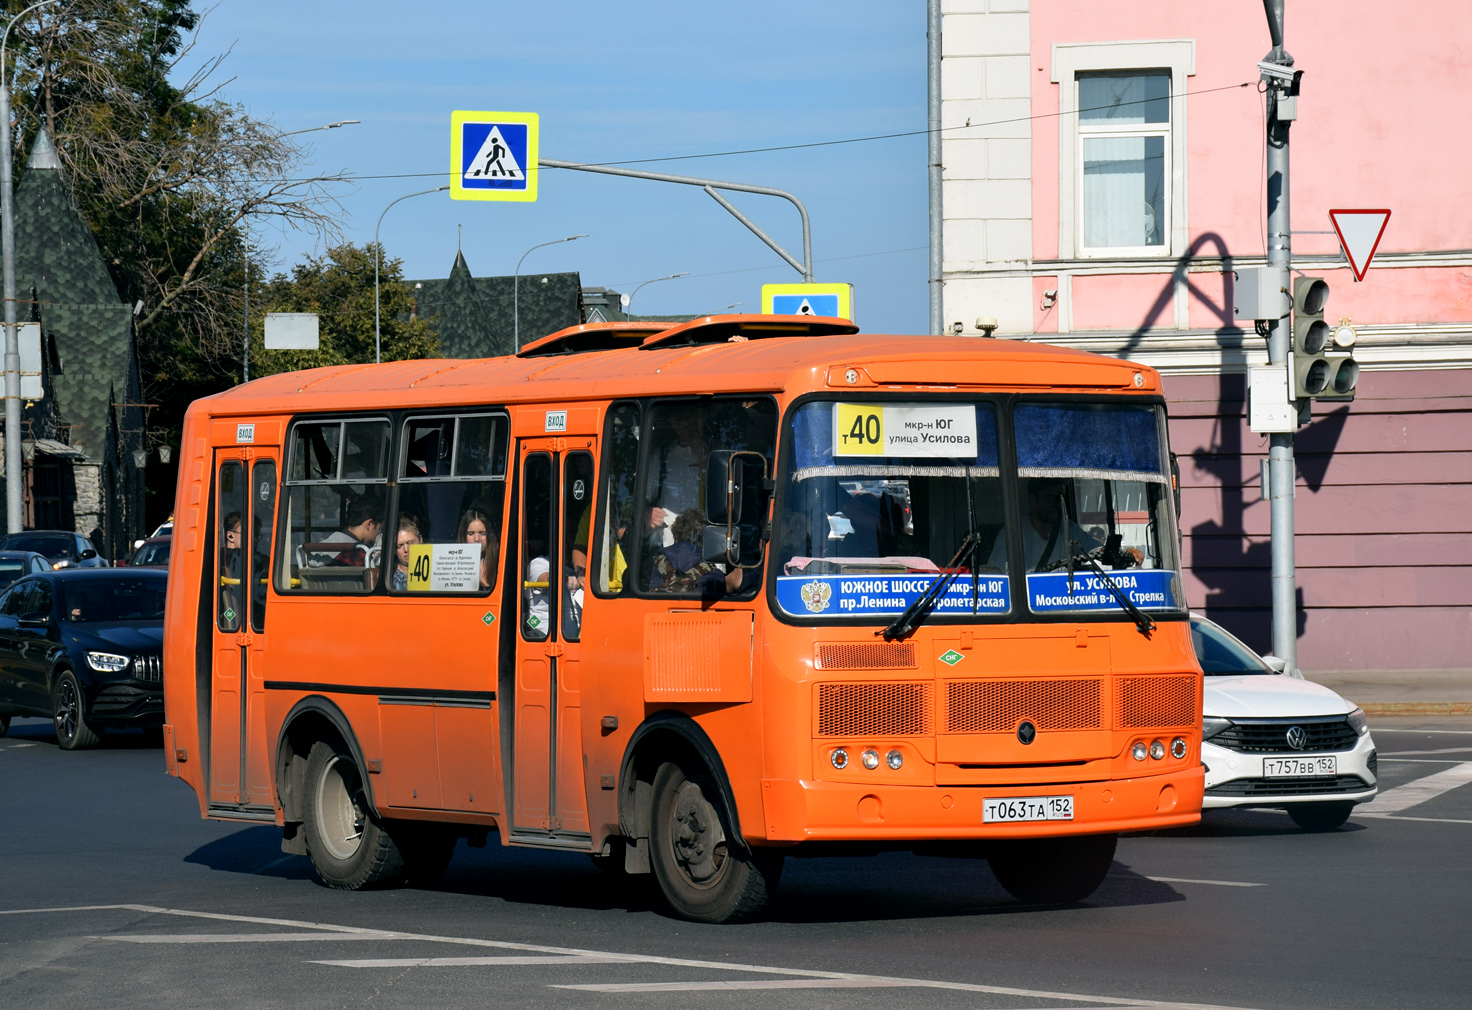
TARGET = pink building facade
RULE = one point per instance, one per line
(1103, 177)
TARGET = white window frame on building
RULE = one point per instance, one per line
(1174, 57)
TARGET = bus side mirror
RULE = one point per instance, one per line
(723, 488)
(720, 546)
(1175, 484)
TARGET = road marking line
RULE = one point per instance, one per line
(1393, 801)
(766, 983)
(679, 962)
(1439, 750)
(1427, 820)
(457, 962)
(238, 937)
(1422, 761)
(18, 746)
(1452, 732)
(1219, 883)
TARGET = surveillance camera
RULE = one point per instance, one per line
(1277, 71)
(957, 327)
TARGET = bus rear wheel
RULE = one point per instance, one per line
(1052, 871)
(705, 875)
(348, 847)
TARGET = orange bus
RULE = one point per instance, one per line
(837, 594)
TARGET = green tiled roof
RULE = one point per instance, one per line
(476, 313)
(57, 257)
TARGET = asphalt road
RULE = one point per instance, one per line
(114, 893)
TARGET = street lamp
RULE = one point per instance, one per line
(626, 300)
(245, 291)
(378, 256)
(13, 497)
(516, 288)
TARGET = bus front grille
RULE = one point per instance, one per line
(866, 656)
(878, 709)
(998, 706)
(1153, 702)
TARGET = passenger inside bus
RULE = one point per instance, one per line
(537, 608)
(408, 537)
(679, 568)
(362, 530)
(676, 471)
(476, 528)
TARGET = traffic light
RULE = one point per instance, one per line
(1323, 356)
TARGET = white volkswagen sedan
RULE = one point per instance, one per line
(1273, 740)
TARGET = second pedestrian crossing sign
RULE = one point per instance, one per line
(493, 156)
(808, 300)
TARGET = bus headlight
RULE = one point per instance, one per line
(1157, 750)
(870, 759)
(894, 759)
(1178, 748)
(1139, 750)
(839, 757)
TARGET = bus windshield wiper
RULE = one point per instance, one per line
(1090, 559)
(916, 613)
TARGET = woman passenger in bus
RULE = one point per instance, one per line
(475, 528)
(679, 568)
(408, 537)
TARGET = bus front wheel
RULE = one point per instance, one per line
(348, 847)
(704, 875)
(1052, 871)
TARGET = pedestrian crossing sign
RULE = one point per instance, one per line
(493, 156)
(808, 300)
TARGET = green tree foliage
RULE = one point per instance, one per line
(165, 172)
(338, 286)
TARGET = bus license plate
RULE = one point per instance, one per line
(1299, 767)
(1027, 808)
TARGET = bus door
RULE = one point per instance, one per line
(245, 514)
(549, 801)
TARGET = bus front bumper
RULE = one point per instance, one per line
(799, 810)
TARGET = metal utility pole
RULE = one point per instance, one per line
(516, 287)
(377, 259)
(14, 503)
(1279, 76)
(932, 149)
(710, 186)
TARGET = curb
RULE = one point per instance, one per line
(1385, 708)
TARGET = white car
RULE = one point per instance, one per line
(1274, 740)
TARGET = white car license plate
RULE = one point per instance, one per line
(1027, 808)
(1299, 767)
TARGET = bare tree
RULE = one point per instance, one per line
(167, 174)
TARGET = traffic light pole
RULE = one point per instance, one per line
(1281, 471)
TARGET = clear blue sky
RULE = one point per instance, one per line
(614, 82)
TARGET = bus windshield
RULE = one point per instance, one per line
(879, 502)
(883, 498)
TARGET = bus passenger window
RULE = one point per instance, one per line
(621, 462)
(333, 519)
(672, 519)
(452, 489)
(577, 520)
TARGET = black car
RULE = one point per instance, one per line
(15, 564)
(62, 548)
(84, 647)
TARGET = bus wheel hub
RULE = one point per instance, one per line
(699, 839)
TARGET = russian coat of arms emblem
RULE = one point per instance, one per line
(815, 596)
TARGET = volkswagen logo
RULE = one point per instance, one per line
(1027, 733)
(1297, 737)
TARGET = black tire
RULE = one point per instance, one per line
(1320, 816)
(426, 850)
(69, 714)
(704, 874)
(1052, 871)
(347, 845)
(4, 724)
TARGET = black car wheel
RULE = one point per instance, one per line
(70, 714)
(4, 724)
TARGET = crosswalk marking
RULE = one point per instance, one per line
(243, 937)
(761, 983)
(462, 962)
(1393, 801)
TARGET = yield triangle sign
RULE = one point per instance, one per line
(1359, 234)
(494, 160)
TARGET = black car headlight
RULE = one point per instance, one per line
(1213, 726)
(107, 662)
(1359, 722)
